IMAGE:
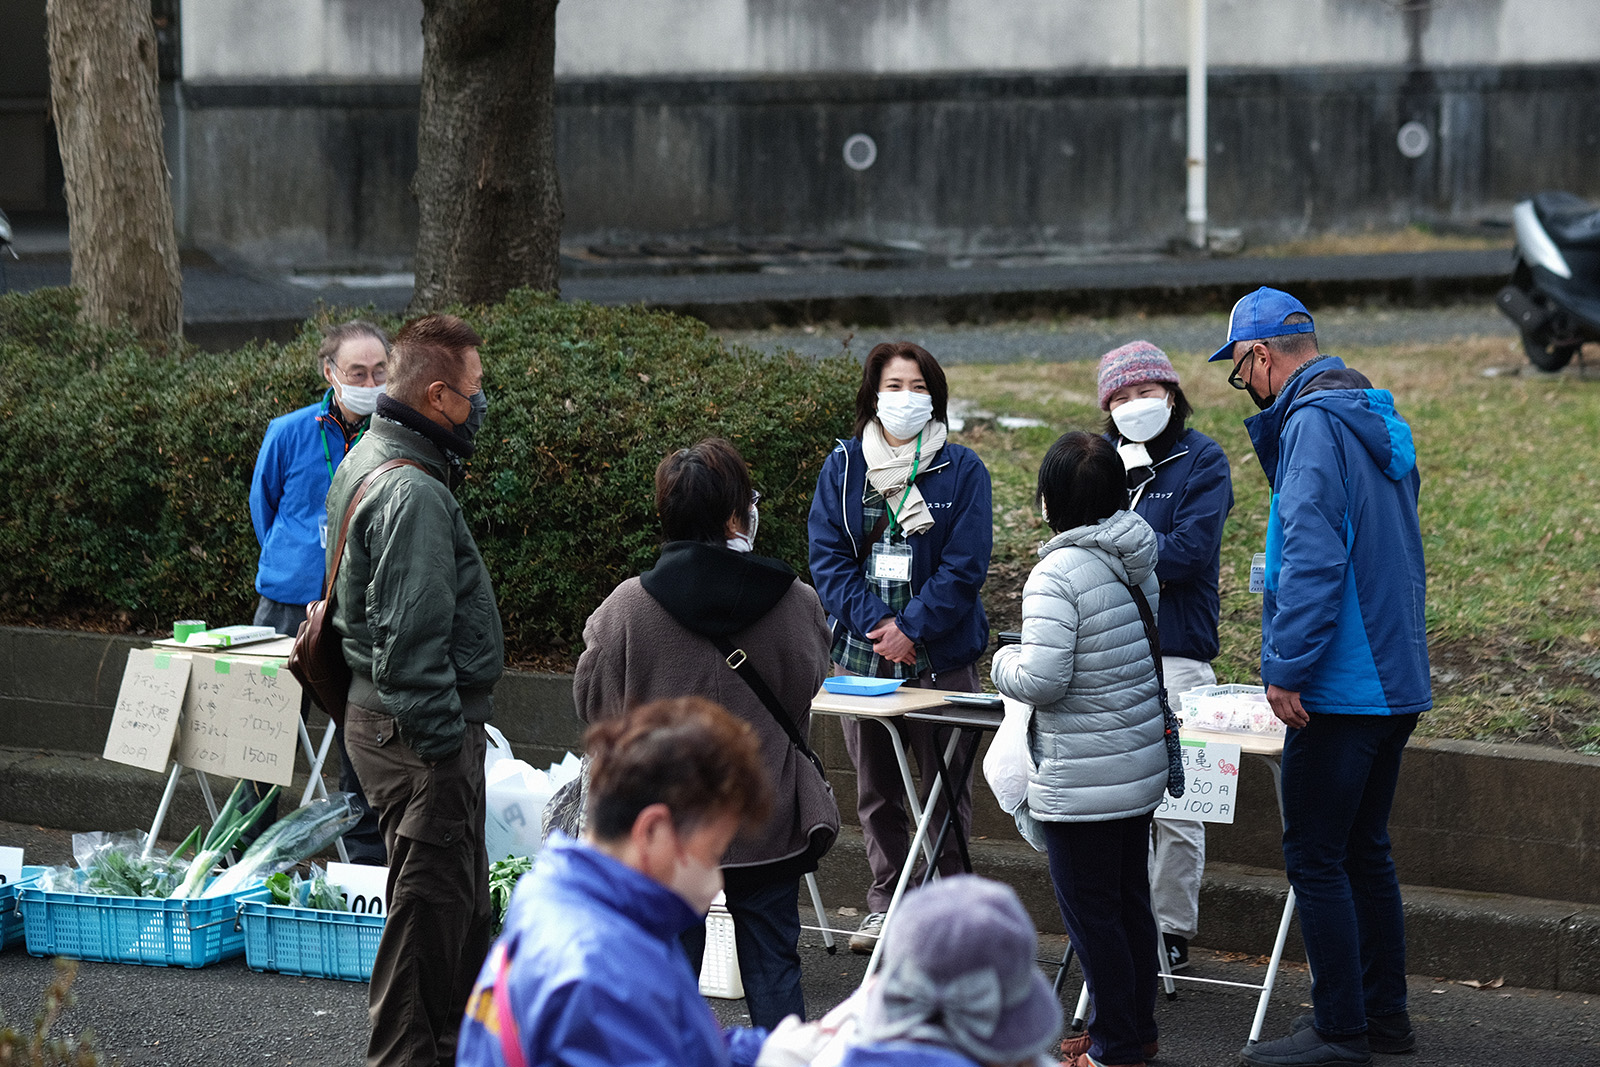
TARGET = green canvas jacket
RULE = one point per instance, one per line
(413, 605)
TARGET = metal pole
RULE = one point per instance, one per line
(1196, 208)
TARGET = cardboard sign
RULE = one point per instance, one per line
(1211, 783)
(149, 705)
(203, 736)
(366, 888)
(10, 865)
(261, 701)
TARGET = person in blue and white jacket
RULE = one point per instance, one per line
(289, 508)
(1344, 655)
(901, 529)
(589, 970)
(1178, 482)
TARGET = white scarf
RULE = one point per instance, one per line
(889, 472)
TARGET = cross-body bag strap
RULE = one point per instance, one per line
(350, 509)
(740, 663)
(1151, 633)
(872, 538)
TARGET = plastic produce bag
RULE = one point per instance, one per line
(1008, 763)
(115, 864)
(517, 794)
(297, 836)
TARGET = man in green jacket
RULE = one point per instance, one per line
(416, 615)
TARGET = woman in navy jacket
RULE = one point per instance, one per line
(1178, 482)
(901, 530)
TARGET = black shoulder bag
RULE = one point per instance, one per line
(1175, 782)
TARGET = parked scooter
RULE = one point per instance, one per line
(1554, 295)
(5, 246)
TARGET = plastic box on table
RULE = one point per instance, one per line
(1237, 708)
(10, 914)
(151, 931)
(305, 941)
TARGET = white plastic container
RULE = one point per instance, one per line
(1239, 709)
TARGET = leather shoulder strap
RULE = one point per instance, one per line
(741, 665)
(350, 509)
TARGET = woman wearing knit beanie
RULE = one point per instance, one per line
(1178, 482)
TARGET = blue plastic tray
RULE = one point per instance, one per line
(852, 685)
(154, 932)
(319, 944)
(10, 914)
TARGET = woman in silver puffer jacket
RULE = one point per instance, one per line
(1096, 738)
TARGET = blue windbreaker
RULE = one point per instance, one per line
(1186, 501)
(1343, 620)
(289, 500)
(949, 563)
(596, 975)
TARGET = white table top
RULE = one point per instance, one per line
(1254, 744)
(888, 706)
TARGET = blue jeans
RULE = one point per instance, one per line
(766, 937)
(1339, 775)
(1102, 883)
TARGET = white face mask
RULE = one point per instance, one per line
(696, 883)
(744, 542)
(360, 400)
(904, 413)
(1142, 419)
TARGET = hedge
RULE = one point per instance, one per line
(127, 475)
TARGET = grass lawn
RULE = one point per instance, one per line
(1510, 489)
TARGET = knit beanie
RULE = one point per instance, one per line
(1134, 363)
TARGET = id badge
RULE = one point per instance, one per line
(890, 563)
(1258, 573)
(322, 532)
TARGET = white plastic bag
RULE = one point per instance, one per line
(1008, 763)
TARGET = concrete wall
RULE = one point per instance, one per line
(318, 173)
(1469, 817)
(345, 39)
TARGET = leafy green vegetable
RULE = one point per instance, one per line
(503, 877)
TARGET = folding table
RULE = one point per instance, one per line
(1268, 748)
(915, 705)
(316, 754)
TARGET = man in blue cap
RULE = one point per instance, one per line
(1344, 656)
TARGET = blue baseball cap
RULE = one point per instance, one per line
(1261, 315)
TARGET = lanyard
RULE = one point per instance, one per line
(916, 461)
(322, 431)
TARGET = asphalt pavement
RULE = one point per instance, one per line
(226, 1014)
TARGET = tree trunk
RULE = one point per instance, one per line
(489, 205)
(103, 96)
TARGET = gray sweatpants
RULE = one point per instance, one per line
(1178, 846)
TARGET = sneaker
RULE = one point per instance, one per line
(1177, 949)
(1388, 1034)
(864, 940)
(1307, 1048)
(1073, 1047)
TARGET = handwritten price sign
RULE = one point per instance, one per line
(366, 888)
(1211, 777)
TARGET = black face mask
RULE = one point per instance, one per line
(479, 405)
(1262, 402)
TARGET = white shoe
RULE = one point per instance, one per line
(865, 939)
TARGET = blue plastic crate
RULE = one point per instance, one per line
(10, 914)
(305, 941)
(154, 932)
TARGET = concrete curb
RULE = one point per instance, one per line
(1543, 944)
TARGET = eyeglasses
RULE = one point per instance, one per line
(360, 376)
(1233, 378)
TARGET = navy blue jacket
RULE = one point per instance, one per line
(949, 562)
(289, 500)
(1185, 502)
(1343, 619)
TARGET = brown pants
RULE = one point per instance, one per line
(881, 795)
(438, 930)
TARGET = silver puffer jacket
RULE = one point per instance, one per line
(1085, 666)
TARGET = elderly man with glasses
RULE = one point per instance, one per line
(1344, 656)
